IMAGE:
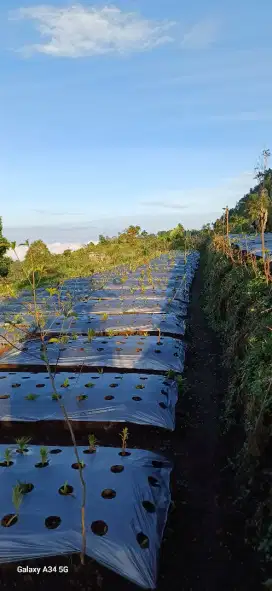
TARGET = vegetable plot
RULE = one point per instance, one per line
(136, 398)
(127, 502)
(134, 352)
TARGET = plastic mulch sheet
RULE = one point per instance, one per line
(135, 398)
(128, 306)
(166, 323)
(133, 352)
(126, 509)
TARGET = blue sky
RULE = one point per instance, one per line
(150, 112)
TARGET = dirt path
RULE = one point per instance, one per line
(204, 548)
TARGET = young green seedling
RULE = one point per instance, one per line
(91, 334)
(124, 438)
(105, 316)
(56, 396)
(66, 383)
(17, 498)
(66, 488)
(7, 456)
(32, 396)
(92, 442)
(44, 455)
(22, 443)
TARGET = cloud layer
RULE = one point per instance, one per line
(78, 31)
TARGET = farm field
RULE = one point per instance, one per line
(130, 377)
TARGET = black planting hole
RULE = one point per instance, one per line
(6, 465)
(95, 377)
(149, 507)
(124, 453)
(26, 487)
(100, 349)
(89, 451)
(109, 397)
(9, 520)
(3, 377)
(76, 466)
(108, 493)
(143, 378)
(157, 351)
(99, 528)
(55, 451)
(164, 392)
(153, 481)
(15, 385)
(136, 398)
(142, 540)
(69, 489)
(41, 465)
(114, 385)
(162, 405)
(157, 464)
(117, 468)
(40, 385)
(4, 396)
(52, 522)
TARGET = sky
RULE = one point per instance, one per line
(149, 112)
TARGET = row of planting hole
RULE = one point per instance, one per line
(98, 527)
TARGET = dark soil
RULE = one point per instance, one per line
(203, 547)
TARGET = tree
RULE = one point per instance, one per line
(5, 261)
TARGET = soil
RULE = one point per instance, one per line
(203, 548)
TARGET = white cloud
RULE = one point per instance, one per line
(78, 31)
(55, 248)
(202, 34)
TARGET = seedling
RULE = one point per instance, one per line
(89, 385)
(7, 456)
(92, 442)
(56, 396)
(17, 498)
(74, 337)
(110, 332)
(44, 455)
(91, 334)
(32, 396)
(66, 383)
(66, 489)
(22, 443)
(124, 438)
(100, 370)
(105, 316)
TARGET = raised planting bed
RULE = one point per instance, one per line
(167, 324)
(133, 352)
(127, 306)
(135, 398)
(127, 502)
